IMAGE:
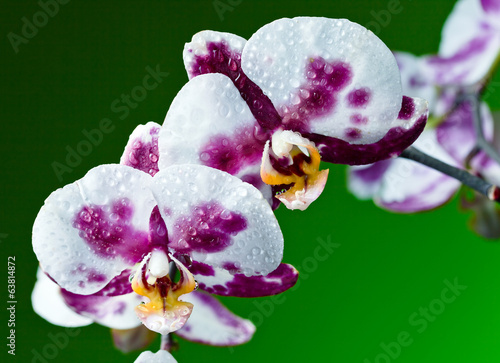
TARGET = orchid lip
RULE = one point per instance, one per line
(163, 313)
(293, 164)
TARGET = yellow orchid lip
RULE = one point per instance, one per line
(301, 173)
(164, 312)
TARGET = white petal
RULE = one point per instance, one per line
(88, 232)
(322, 72)
(197, 53)
(218, 219)
(161, 356)
(208, 123)
(213, 324)
(49, 304)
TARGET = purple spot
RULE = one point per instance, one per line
(199, 268)
(358, 119)
(353, 133)
(157, 230)
(108, 231)
(231, 267)
(374, 172)
(232, 153)
(222, 59)
(491, 5)
(120, 285)
(359, 98)
(407, 108)
(281, 279)
(143, 155)
(318, 96)
(119, 308)
(338, 151)
(208, 228)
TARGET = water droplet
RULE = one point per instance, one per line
(153, 157)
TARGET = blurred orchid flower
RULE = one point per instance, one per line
(470, 44)
(405, 186)
(299, 91)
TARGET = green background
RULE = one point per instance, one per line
(386, 266)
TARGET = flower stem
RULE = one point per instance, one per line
(492, 192)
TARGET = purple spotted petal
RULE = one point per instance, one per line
(327, 77)
(470, 44)
(115, 312)
(161, 356)
(91, 230)
(48, 302)
(456, 133)
(214, 52)
(208, 123)
(213, 324)
(141, 151)
(128, 340)
(216, 219)
(229, 283)
(412, 119)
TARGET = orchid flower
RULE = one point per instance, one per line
(300, 90)
(405, 186)
(142, 153)
(118, 221)
(470, 44)
(210, 322)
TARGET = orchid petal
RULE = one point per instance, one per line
(128, 340)
(411, 119)
(457, 134)
(48, 302)
(213, 52)
(491, 6)
(115, 312)
(90, 231)
(217, 219)
(365, 181)
(412, 187)
(470, 44)
(213, 324)
(226, 282)
(323, 73)
(208, 123)
(161, 356)
(141, 151)
(415, 78)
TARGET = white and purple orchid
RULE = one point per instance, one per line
(298, 91)
(118, 220)
(470, 44)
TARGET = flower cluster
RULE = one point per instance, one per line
(142, 246)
